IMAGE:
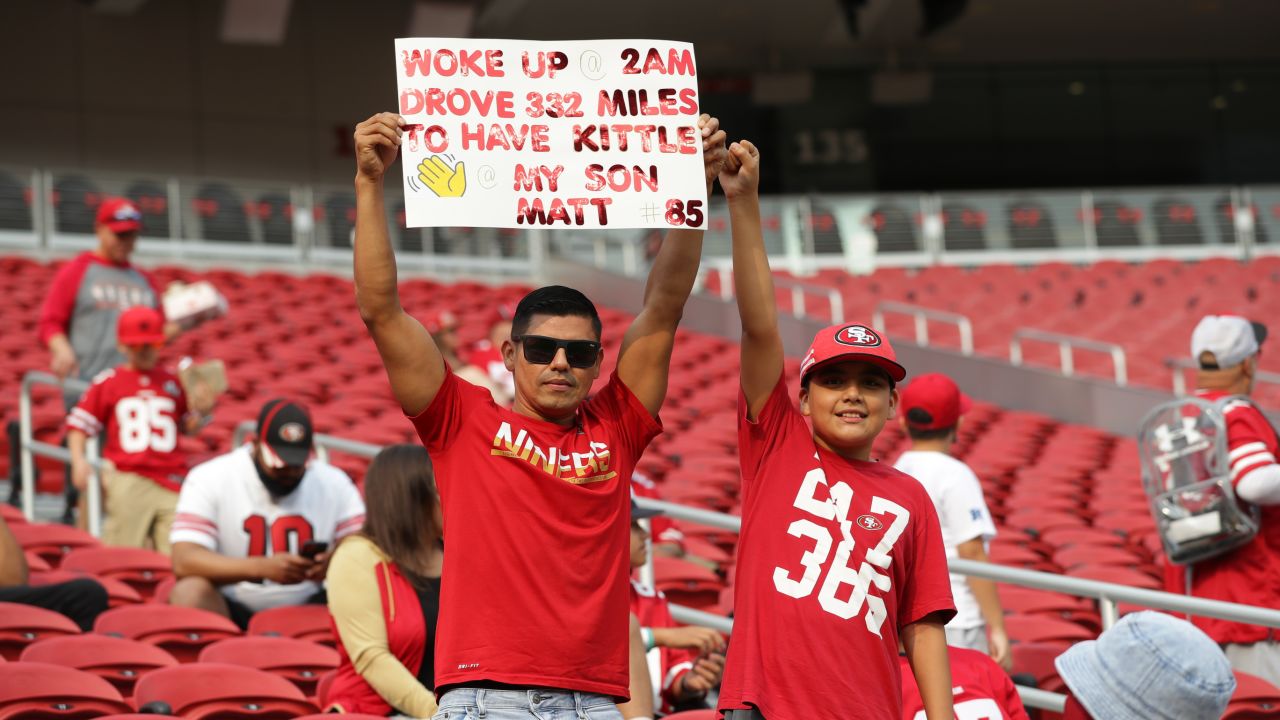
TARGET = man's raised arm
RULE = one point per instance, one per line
(413, 361)
(645, 359)
(762, 352)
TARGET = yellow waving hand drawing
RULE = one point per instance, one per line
(441, 179)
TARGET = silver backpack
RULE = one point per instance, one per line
(1187, 476)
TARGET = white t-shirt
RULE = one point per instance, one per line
(224, 507)
(962, 510)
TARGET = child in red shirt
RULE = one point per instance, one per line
(139, 409)
(839, 555)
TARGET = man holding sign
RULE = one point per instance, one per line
(536, 499)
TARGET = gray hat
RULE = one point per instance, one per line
(1149, 666)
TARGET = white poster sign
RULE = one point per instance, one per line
(523, 134)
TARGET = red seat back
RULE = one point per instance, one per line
(140, 569)
(181, 631)
(117, 660)
(205, 691)
(23, 625)
(301, 662)
(33, 690)
(304, 622)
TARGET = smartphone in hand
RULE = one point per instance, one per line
(312, 548)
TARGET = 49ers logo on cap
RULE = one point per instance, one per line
(292, 432)
(857, 336)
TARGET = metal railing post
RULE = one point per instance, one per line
(93, 494)
(25, 436)
(1109, 612)
(1015, 350)
(1066, 359)
(797, 301)
(921, 317)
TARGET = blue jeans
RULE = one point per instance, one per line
(481, 704)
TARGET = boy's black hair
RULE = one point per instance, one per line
(804, 384)
(557, 301)
(922, 416)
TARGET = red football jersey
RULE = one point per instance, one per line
(1249, 574)
(140, 415)
(661, 528)
(981, 689)
(835, 556)
(537, 519)
(651, 609)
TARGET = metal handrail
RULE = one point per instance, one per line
(798, 290)
(922, 316)
(1066, 344)
(1178, 365)
(29, 447)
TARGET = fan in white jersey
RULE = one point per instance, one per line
(255, 528)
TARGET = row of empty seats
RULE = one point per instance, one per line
(1147, 308)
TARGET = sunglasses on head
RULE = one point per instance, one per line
(540, 350)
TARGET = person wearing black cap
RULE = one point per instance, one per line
(1227, 348)
(253, 527)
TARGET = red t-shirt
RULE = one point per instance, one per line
(140, 414)
(981, 689)
(651, 609)
(537, 522)
(835, 556)
(1250, 574)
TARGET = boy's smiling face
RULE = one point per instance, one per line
(849, 403)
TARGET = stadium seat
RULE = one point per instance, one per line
(76, 201)
(1254, 698)
(51, 541)
(1036, 659)
(301, 662)
(1043, 629)
(117, 592)
(153, 202)
(687, 583)
(182, 631)
(140, 569)
(36, 690)
(23, 625)
(221, 215)
(304, 622)
(118, 661)
(209, 691)
(346, 716)
(693, 715)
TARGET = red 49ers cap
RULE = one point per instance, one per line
(933, 402)
(119, 215)
(140, 325)
(851, 341)
(440, 321)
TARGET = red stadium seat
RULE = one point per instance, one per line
(346, 716)
(140, 569)
(34, 691)
(50, 541)
(1036, 659)
(216, 691)
(1044, 629)
(11, 515)
(300, 662)
(1115, 574)
(304, 622)
(1077, 555)
(139, 716)
(694, 715)
(687, 583)
(23, 625)
(181, 631)
(117, 592)
(118, 661)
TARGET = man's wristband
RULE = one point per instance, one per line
(646, 635)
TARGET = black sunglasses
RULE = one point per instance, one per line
(540, 350)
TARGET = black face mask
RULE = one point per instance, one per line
(276, 487)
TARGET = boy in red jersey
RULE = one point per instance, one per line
(140, 409)
(536, 499)
(981, 688)
(839, 555)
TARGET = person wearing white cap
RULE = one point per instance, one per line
(1226, 348)
(1149, 666)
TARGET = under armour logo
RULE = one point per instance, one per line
(1175, 442)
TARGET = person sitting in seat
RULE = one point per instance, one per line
(254, 527)
(82, 600)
